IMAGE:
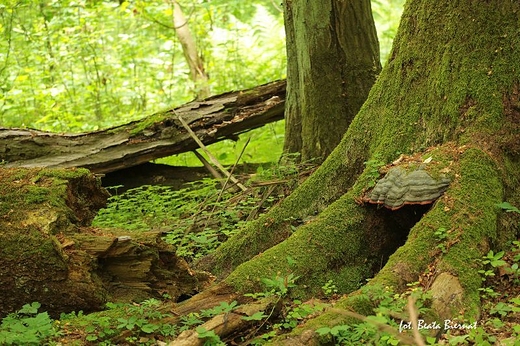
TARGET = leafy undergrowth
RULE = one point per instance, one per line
(500, 295)
(149, 322)
(154, 322)
(198, 218)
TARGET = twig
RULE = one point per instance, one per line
(235, 165)
(413, 317)
(266, 195)
(227, 180)
(211, 157)
(209, 167)
(276, 6)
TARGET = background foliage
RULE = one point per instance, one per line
(83, 65)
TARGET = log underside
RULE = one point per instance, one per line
(159, 174)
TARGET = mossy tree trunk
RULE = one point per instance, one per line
(332, 62)
(448, 98)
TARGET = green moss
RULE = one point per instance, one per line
(42, 196)
(29, 250)
(148, 122)
(36, 194)
(476, 219)
(63, 174)
(429, 93)
(317, 248)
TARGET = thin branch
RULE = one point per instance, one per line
(211, 157)
(233, 169)
(224, 185)
(209, 167)
(275, 5)
(413, 318)
(265, 196)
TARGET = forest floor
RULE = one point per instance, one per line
(158, 321)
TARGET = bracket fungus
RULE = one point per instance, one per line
(400, 187)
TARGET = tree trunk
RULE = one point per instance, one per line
(189, 48)
(332, 62)
(159, 135)
(449, 99)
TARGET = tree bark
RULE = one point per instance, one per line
(159, 135)
(332, 62)
(449, 99)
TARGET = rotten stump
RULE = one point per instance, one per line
(50, 254)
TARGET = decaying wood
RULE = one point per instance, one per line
(223, 324)
(216, 118)
(50, 254)
(136, 265)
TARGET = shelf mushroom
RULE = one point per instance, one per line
(400, 187)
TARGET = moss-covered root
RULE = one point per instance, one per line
(327, 184)
(316, 253)
(469, 214)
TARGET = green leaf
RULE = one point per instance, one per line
(30, 309)
(508, 207)
(91, 337)
(149, 328)
(257, 316)
(290, 261)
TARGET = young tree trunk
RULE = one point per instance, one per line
(191, 54)
(332, 62)
(449, 99)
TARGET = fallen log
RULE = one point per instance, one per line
(159, 135)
